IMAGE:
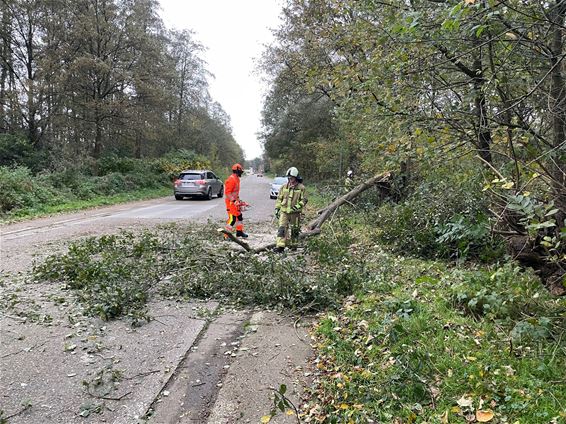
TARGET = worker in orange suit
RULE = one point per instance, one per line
(233, 203)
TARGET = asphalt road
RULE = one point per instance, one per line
(182, 365)
(22, 242)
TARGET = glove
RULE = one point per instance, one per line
(277, 213)
(295, 209)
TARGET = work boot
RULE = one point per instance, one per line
(279, 249)
(241, 234)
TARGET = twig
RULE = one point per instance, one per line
(109, 397)
(25, 408)
(12, 353)
(160, 322)
(29, 349)
(142, 374)
(286, 401)
(491, 166)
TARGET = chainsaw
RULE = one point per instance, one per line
(243, 206)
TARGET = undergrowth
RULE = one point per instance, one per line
(420, 342)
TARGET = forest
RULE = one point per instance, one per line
(97, 97)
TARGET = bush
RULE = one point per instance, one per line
(19, 188)
(507, 293)
(174, 162)
(124, 165)
(17, 151)
(443, 217)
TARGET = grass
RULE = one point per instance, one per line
(410, 347)
(76, 205)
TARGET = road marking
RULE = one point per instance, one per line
(163, 211)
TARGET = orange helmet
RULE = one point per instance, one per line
(237, 167)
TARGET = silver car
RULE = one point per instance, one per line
(277, 183)
(202, 183)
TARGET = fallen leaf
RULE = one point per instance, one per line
(484, 416)
(265, 419)
(465, 402)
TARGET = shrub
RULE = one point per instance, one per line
(17, 151)
(19, 188)
(124, 165)
(506, 293)
(443, 217)
(174, 162)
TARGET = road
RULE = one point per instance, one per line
(20, 242)
(177, 367)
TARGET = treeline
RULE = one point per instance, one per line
(464, 100)
(81, 80)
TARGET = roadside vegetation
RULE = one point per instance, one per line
(461, 334)
(462, 317)
(109, 180)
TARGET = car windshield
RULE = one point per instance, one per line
(190, 176)
(279, 180)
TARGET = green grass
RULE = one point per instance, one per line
(76, 205)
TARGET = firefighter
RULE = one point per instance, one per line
(233, 203)
(290, 204)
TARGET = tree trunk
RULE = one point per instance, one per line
(558, 105)
(98, 132)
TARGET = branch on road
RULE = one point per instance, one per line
(314, 227)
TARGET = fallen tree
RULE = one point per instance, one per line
(314, 226)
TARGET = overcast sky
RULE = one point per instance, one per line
(234, 33)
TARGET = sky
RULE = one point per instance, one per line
(234, 33)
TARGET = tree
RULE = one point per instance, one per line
(429, 80)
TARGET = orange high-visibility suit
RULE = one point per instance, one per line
(232, 199)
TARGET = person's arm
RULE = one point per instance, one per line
(280, 197)
(301, 201)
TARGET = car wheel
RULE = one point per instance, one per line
(178, 197)
(221, 192)
(208, 195)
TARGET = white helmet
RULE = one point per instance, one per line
(292, 172)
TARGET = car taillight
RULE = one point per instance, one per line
(177, 183)
(201, 182)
